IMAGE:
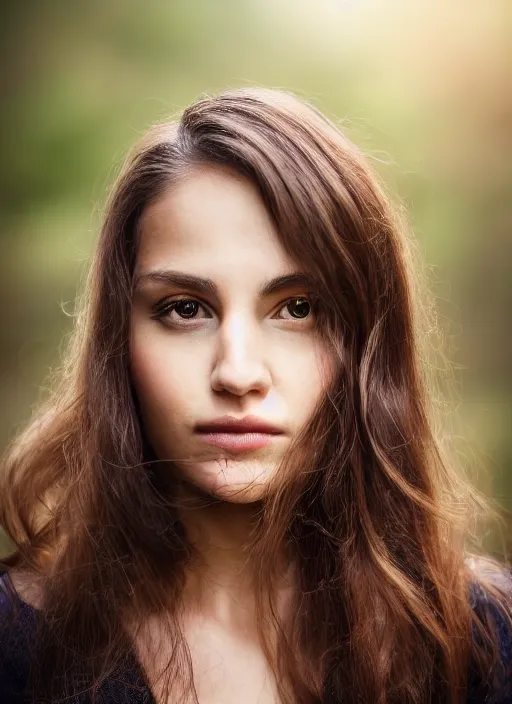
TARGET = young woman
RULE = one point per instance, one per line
(237, 492)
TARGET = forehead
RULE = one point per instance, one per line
(212, 222)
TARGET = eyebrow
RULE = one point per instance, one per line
(208, 287)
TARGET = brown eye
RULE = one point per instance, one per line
(186, 308)
(297, 308)
(177, 311)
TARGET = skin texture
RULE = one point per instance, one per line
(241, 354)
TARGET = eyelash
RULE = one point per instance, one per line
(164, 308)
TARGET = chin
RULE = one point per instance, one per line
(232, 481)
(244, 495)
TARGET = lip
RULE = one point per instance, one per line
(238, 435)
(238, 442)
(230, 424)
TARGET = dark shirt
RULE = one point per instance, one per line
(17, 634)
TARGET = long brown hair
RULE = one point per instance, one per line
(368, 499)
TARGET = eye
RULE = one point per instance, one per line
(178, 311)
(298, 308)
(183, 309)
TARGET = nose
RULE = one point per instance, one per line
(239, 366)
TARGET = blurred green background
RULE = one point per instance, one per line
(424, 87)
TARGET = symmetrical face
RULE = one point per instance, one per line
(223, 324)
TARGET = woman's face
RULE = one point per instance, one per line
(217, 331)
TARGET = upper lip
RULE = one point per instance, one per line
(230, 424)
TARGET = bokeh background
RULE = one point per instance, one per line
(423, 86)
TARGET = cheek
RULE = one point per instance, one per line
(308, 375)
(165, 379)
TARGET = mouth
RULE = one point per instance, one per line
(242, 435)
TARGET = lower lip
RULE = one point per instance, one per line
(238, 441)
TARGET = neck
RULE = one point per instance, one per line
(219, 579)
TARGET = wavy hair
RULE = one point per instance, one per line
(368, 501)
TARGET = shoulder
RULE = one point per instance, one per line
(498, 613)
(18, 632)
(17, 627)
(484, 601)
